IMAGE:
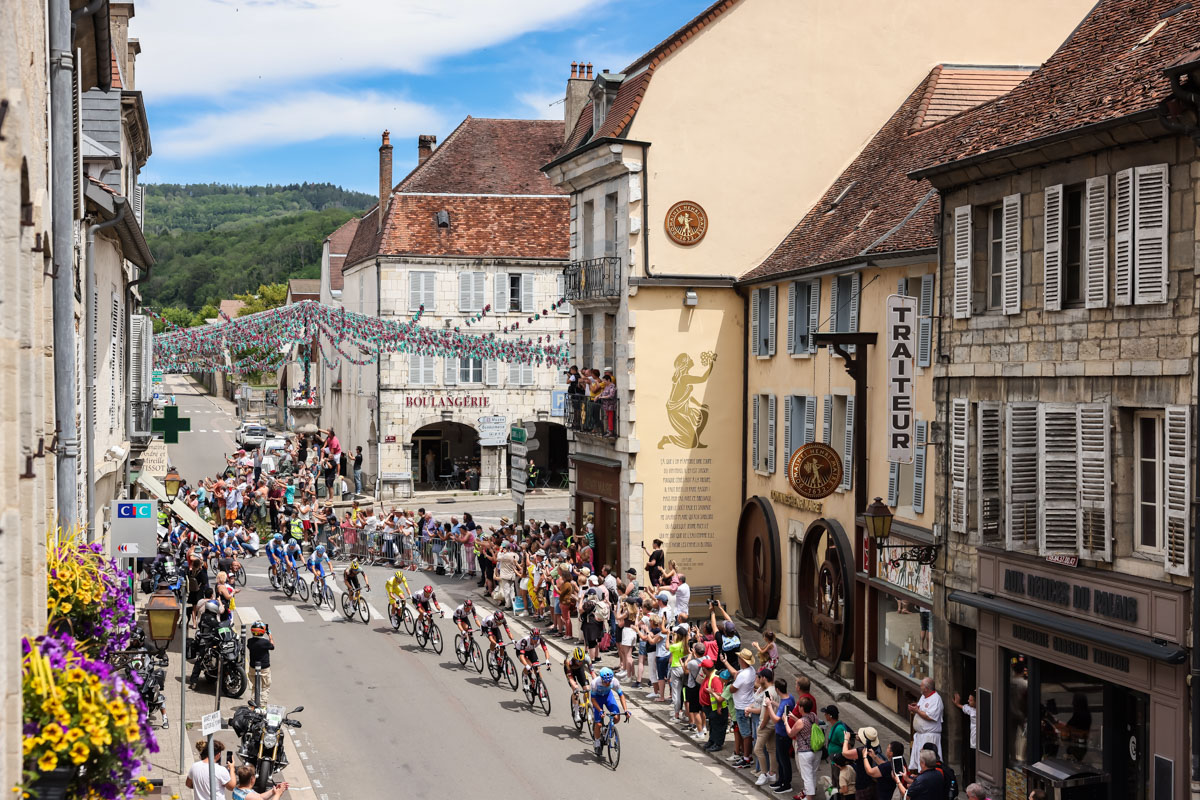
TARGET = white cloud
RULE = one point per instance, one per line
(544, 105)
(296, 118)
(217, 47)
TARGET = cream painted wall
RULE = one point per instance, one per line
(758, 114)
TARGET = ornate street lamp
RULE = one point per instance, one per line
(162, 614)
(878, 519)
(172, 482)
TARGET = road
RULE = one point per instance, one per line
(202, 450)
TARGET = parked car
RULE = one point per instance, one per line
(251, 434)
(273, 445)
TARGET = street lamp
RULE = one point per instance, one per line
(162, 614)
(172, 481)
(878, 519)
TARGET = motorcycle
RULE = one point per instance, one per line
(260, 732)
(147, 671)
(221, 649)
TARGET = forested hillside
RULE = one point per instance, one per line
(212, 241)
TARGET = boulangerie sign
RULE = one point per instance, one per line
(901, 344)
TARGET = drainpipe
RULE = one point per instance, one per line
(89, 359)
(62, 169)
(746, 389)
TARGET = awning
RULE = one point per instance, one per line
(151, 485)
(192, 519)
(1118, 640)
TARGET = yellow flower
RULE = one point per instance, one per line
(79, 753)
(74, 735)
(65, 608)
(48, 762)
(29, 744)
(132, 734)
(52, 732)
(116, 707)
(76, 675)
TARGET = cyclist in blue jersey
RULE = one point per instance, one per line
(317, 563)
(602, 690)
(293, 556)
(275, 553)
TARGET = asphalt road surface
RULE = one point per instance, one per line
(202, 450)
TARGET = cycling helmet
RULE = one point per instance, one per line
(469, 604)
(535, 634)
(237, 522)
(258, 628)
(320, 549)
(354, 564)
(428, 590)
(606, 675)
(577, 654)
(212, 607)
(399, 575)
(499, 617)
(278, 537)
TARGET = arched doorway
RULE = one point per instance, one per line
(550, 456)
(825, 591)
(445, 456)
(758, 561)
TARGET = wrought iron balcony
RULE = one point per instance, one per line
(593, 417)
(596, 278)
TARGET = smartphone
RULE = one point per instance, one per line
(897, 765)
(229, 757)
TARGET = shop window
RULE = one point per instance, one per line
(904, 637)
(1148, 514)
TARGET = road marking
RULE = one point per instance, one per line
(376, 613)
(328, 614)
(288, 613)
(247, 614)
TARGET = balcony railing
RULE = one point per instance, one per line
(142, 414)
(593, 417)
(593, 279)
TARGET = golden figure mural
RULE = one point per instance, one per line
(687, 415)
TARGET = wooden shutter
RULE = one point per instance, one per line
(1177, 488)
(893, 490)
(414, 369)
(1123, 230)
(754, 440)
(987, 473)
(514, 373)
(450, 370)
(1095, 493)
(561, 290)
(1021, 474)
(1012, 254)
(833, 303)
(788, 443)
(428, 366)
(466, 288)
(1095, 249)
(827, 421)
(960, 420)
(526, 293)
(491, 374)
(814, 313)
(527, 374)
(810, 419)
(113, 360)
(1058, 478)
(430, 293)
(919, 463)
(1150, 234)
(137, 340)
(925, 322)
(771, 430)
(791, 318)
(855, 287)
(754, 322)
(962, 262)
(772, 305)
(500, 293)
(77, 141)
(416, 290)
(848, 447)
(1052, 248)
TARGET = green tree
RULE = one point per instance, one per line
(268, 296)
(176, 316)
(207, 312)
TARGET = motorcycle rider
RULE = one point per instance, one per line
(260, 646)
(206, 632)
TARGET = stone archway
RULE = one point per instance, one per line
(758, 562)
(825, 592)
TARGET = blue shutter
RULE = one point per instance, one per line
(918, 498)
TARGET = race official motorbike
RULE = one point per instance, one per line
(147, 671)
(165, 570)
(217, 646)
(260, 732)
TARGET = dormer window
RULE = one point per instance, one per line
(602, 94)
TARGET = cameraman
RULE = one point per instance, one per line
(260, 646)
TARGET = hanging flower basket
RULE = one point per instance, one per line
(51, 785)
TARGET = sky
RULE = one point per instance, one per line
(285, 91)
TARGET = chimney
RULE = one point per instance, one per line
(577, 96)
(119, 15)
(135, 48)
(385, 178)
(425, 143)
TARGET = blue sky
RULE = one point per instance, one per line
(283, 91)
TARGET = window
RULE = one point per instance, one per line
(520, 374)
(470, 370)
(586, 350)
(1075, 245)
(587, 238)
(420, 370)
(471, 292)
(520, 292)
(514, 292)
(1141, 235)
(422, 290)
(838, 431)
(995, 257)
(764, 434)
(1072, 271)
(843, 304)
(1148, 512)
(610, 341)
(804, 299)
(762, 321)
(987, 261)
(903, 643)
(799, 423)
(610, 224)
(560, 294)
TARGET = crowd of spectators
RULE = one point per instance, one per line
(592, 396)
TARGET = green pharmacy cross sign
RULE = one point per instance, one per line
(170, 424)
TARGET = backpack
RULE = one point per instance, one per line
(949, 780)
(835, 750)
(816, 738)
(601, 610)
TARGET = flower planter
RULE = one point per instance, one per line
(52, 785)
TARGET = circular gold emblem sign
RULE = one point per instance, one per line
(815, 470)
(686, 223)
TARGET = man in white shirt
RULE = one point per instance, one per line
(969, 709)
(197, 777)
(743, 696)
(683, 596)
(927, 720)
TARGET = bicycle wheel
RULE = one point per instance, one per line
(576, 712)
(510, 672)
(493, 665)
(289, 586)
(527, 688)
(394, 618)
(543, 696)
(302, 589)
(422, 636)
(347, 606)
(435, 636)
(460, 649)
(274, 579)
(613, 747)
(477, 656)
(329, 597)
(240, 576)
(364, 611)
(410, 622)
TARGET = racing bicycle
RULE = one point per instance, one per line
(466, 648)
(535, 688)
(352, 602)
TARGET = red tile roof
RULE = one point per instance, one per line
(582, 131)
(1110, 67)
(958, 88)
(366, 240)
(231, 308)
(493, 227)
(304, 289)
(116, 71)
(339, 246)
(490, 156)
(625, 105)
(874, 208)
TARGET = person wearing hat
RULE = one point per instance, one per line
(854, 751)
(664, 608)
(631, 587)
(743, 696)
(711, 691)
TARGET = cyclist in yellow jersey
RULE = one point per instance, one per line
(397, 589)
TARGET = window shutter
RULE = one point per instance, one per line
(77, 140)
(1052, 249)
(987, 473)
(479, 291)
(788, 442)
(771, 433)
(754, 323)
(810, 420)
(925, 323)
(1012, 254)
(139, 205)
(526, 293)
(754, 446)
(428, 365)
(960, 420)
(500, 293)
(848, 448)
(827, 422)
(514, 373)
(450, 371)
(919, 455)
(1177, 489)
(136, 379)
(833, 303)
(791, 318)
(113, 360)
(962, 262)
(1058, 477)
(527, 374)
(415, 290)
(1123, 224)
(772, 305)
(465, 290)
(893, 490)
(1095, 494)
(1150, 234)
(1095, 250)
(814, 313)
(855, 287)
(414, 368)
(1021, 474)
(491, 375)
(561, 290)
(430, 291)
(902, 287)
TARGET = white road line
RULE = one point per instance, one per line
(247, 614)
(376, 613)
(328, 614)
(288, 613)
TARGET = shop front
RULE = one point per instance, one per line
(1082, 680)
(598, 504)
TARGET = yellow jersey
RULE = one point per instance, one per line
(395, 591)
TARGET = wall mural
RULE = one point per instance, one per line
(687, 415)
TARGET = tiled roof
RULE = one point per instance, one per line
(874, 208)
(958, 88)
(490, 156)
(582, 131)
(231, 308)
(116, 71)
(304, 286)
(625, 105)
(1110, 67)
(339, 246)
(366, 239)
(514, 227)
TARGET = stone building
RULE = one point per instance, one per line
(474, 229)
(1066, 384)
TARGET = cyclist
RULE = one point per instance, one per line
(527, 649)
(293, 555)
(578, 669)
(422, 599)
(275, 554)
(602, 690)
(316, 565)
(491, 625)
(463, 614)
(350, 577)
(396, 588)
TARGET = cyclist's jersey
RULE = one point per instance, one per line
(489, 622)
(395, 589)
(601, 691)
(352, 575)
(318, 563)
(528, 645)
(274, 553)
(422, 599)
(293, 553)
(461, 614)
(577, 668)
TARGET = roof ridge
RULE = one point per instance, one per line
(436, 152)
(684, 31)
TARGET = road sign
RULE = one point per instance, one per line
(156, 396)
(518, 488)
(518, 434)
(210, 724)
(519, 463)
(158, 376)
(515, 449)
(170, 424)
(493, 430)
(531, 445)
(134, 529)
